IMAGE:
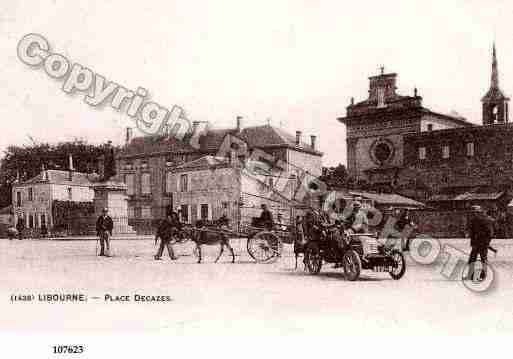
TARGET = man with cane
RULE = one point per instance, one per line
(104, 227)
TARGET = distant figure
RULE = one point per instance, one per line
(266, 217)
(299, 240)
(44, 230)
(480, 229)
(167, 230)
(20, 227)
(104, 226)
(404, 227)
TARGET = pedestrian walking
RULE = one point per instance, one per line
(480, 229)
(104, 226)
(166, 231)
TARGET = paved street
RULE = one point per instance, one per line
(238, 298)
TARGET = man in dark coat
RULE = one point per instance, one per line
(167, 229)
(266, 217)
(104, 226)
(480, 229)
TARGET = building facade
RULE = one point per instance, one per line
(149, 165)
(377, 126)
(32, 200)
(396, 144)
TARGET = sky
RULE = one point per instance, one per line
(295, 64)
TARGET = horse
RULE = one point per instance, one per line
(202, 236)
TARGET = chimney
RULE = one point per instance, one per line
(128, 135)
(298, 138)
(44, 174)
(239, 123)
(312, 141)
(71, 169)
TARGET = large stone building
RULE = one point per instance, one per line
(210, 186)
(397, 145)
(148, 165)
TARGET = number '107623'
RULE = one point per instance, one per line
(68, 349)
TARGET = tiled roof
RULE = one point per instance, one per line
(60, 177)
(155, 144)
(256, 136)
(205, 162)
(267, 135)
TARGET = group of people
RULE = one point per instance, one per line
(480, 230)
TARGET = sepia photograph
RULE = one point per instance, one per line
(255, 178)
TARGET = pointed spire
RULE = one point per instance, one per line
(495, 70)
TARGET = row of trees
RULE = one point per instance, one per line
(26, 162)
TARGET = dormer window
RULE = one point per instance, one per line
(470, 149)
(422, 153)
(445, 151)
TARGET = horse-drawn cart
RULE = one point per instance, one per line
(263, 245)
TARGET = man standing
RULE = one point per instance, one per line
(168, 228)
(20, 226)
(104, 227)
(480, 229)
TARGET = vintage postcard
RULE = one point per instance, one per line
(184, 173)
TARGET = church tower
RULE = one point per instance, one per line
(495, 103)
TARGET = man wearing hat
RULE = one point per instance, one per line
(104, 227)
(480, 229)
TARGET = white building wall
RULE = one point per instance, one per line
(79, 193)
(437, 123)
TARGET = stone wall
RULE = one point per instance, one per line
(441, 224)
(490, 168)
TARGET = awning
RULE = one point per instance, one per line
(467, 196)
(390, 199)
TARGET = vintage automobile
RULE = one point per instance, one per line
(333, 244)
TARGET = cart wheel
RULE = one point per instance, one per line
(352, 265)
(265, 247)
(400, 265)
(313, 258)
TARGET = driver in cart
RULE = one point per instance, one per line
(358, 223)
